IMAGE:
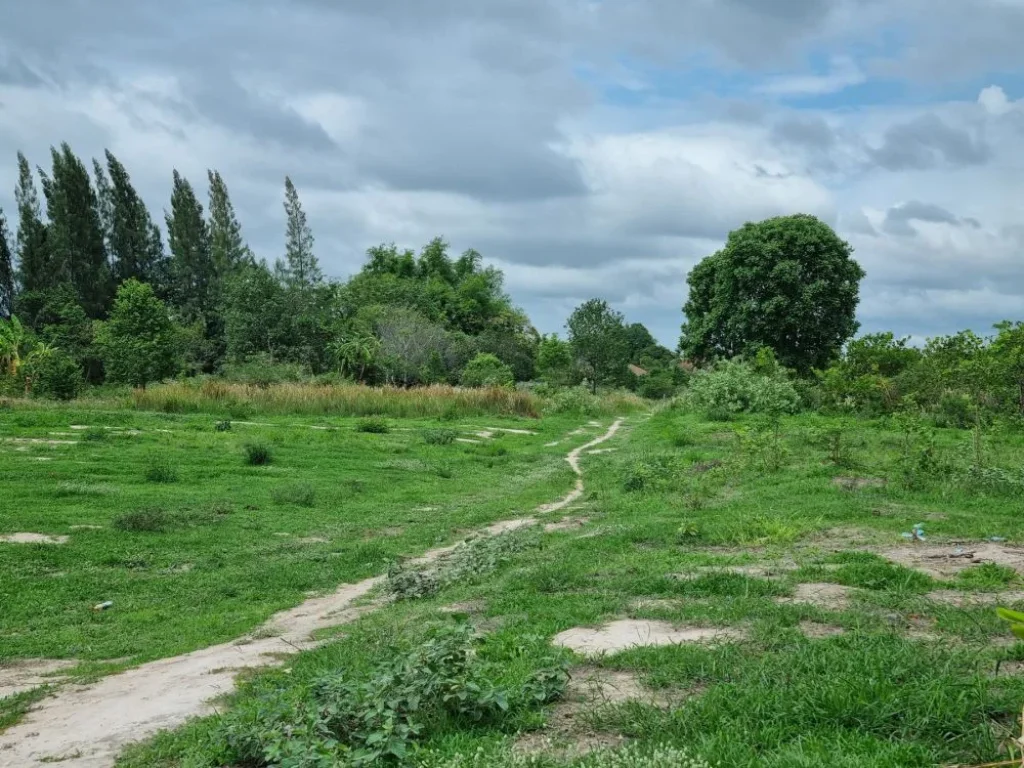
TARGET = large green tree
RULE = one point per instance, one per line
(300, 268)
(140, 342)
(6, 270)
(597, 334)
(227, 246)
(32, 249)
(134, 242)
(77, 249)
(787, 283)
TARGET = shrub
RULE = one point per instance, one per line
(733, 387)
(53, 374)
(95, 434)
(486, 370)
(659, 385)
(143, 521)
(258, 454)
(377, 716)
(377, 425)
(161, 472)
(223, 426)
(301, 494)
(442, 436)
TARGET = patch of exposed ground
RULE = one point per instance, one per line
(833, 597)
(468, 607)
(636, 633)
(657, 603)
(969, 599)
(568, 524)
(567, 733)
(599, 451)
(37, 441)
(20, 676)
(945, 561)
(313, 540)
(32, 538)
(858, 483)
(755, 571)
(817, 631)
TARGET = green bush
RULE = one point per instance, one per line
(161, 472)
(53, 374)
(258, 454)
(377, 716)
(376, 425)
(733, 387)
(486, 370)
(443, 436)
(300, 494)
(658, 385)
(142, 521)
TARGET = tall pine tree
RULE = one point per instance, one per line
(301, 269)
(75, 232)
(136, 250)
(227, 247)
(191, 272)
(32, 249)
(6, 271)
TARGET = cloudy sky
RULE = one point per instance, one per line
(587, 147)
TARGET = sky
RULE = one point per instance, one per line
(586, 147)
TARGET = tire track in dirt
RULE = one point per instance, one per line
(87, 726)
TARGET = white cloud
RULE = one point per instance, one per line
(843, 73)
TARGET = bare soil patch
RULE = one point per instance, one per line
(567, 733)
(859, 483)
(945, 561)
(20, 676)
(568, 524)
(32, 538)
(834, 597)
(755, 571)
(817, 631)
(636, 633)
(968, 599)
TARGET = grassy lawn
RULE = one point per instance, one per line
(847, 643)
(164, 518)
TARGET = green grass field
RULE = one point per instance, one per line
(848, 645)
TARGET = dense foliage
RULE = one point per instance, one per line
(788, 283)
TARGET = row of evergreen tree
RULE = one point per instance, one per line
(97, 233)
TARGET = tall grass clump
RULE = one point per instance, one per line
(258, 454)
(213, 396)
(581, 402)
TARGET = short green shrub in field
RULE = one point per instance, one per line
(376, 425)
(475, 558)
(258, 454)
(223, 426)
(377, 717)
(143, 521)
(442, 436)
(161, 472)
(300, 494)
(632, 756)
(95, 435)
(735, 387)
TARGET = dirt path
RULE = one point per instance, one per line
(88, 726)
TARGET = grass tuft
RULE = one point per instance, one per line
(143, 521)
(376, 425)
(300, 494)
(258, 454)
(161, 472)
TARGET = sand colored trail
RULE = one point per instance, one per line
(88, 726)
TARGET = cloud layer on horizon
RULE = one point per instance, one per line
(588, 147)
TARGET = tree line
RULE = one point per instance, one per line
(93, 289)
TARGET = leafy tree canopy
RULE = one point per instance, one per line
(788, 283)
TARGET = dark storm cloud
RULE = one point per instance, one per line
(928, 142)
